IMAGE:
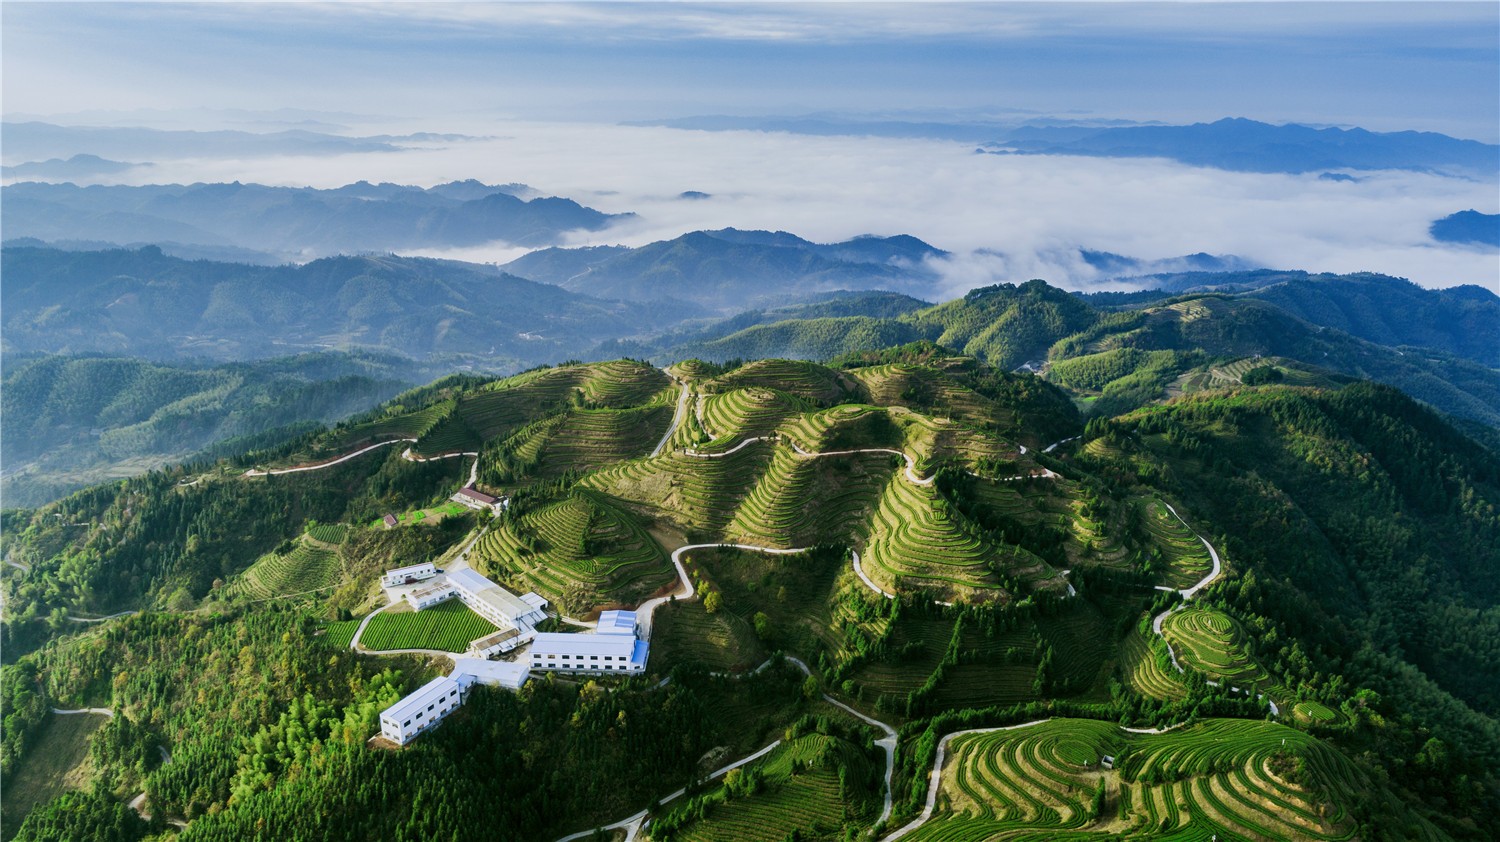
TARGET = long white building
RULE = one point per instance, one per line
(421, 710)
(612, 649)
(424, 709)
(495, 603)
(408, 575)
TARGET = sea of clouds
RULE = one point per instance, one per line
(1004, 218)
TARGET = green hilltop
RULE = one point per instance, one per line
(1285, 586)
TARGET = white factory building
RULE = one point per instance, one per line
(423, 710)
(420, 711)
(612, 648)
(408, 575)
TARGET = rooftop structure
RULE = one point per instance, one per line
(617, 622)
(592, 653)
(421, 710)
(493, 602)
(492, 644)
(426, 597)
(470, 671)
(390, 521)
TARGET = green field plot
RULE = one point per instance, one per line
(624, 383)
(1230, 778)
(684, 632)
(1186, 558)
(328, 533)
(797, 789)
(1213, 643)
(305, 568)
(448, 626)
(340, 634)
(579, 552)
(1314, 713)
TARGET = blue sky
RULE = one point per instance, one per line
(1385, 66)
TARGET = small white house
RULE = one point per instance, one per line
(421, 710)
(470, 671)
(479, 501)
(588, 653)
(408, 575)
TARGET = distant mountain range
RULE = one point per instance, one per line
(1468, 227)
(1231, 143)
(292, 222)
(730, 270)
(1251, 146)
(145, 303)
(79, 166)
(32, 140)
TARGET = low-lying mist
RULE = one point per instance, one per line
(1004, 218)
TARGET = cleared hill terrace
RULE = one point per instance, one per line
(925, 389)
(740, 413)
(1232, 778)
(1213, 643)
(500, 408)
(918, 543)
(809, 381)
(580, 551)
(800, 502)
(306, 568)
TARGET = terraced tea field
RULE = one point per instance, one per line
(926, 390)
(918, 543)
(1143, 674)
(579, 552)
(800, 793)
(1213, 643)
(723, 641)
(1315, 713)
(1186, 557)
(1224, 777)
(448, 626)
(799, 502)
(590, 439)
(305, 568)
(329, 533)
(739, 413)
(809, 381)
(701, 494)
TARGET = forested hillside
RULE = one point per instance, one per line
(75, 421)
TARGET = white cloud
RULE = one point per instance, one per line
(1033, 210)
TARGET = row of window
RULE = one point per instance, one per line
(553, 665)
